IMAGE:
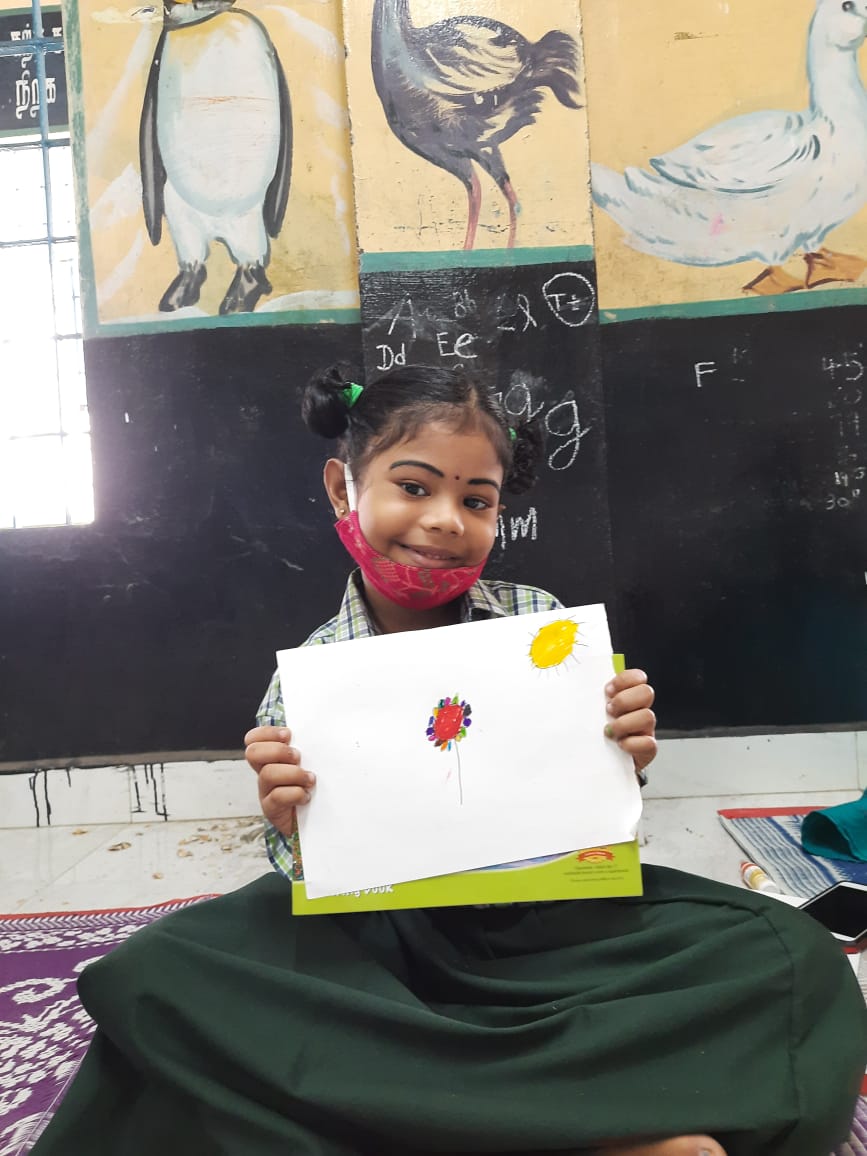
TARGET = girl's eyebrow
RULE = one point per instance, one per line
(421, 465)
(440, 474)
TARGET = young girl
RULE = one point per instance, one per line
(695, 1019)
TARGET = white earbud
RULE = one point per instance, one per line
(351, 494)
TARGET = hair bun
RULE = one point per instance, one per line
(527, 450)
(324, 408)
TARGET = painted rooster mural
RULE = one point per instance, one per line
(215, 146)
(455, 91)
(766, 185)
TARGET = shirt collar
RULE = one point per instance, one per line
(354, 621)
(480, 603)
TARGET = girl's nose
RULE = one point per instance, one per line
(445, 516)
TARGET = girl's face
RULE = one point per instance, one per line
(433, 499)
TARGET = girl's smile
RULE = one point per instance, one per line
(421, 556)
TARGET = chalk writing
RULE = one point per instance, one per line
(462, 347)
(736, 357)
(465, 306)
(845, 482)
(518, 401)
(402, 313)
(519, 526)
(564, 455)
(561, 418)
(388, 357)
(570, 297)
(524, 315)
(702, 369)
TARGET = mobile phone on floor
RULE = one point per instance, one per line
(842, 909)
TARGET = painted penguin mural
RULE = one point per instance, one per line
(215, 144)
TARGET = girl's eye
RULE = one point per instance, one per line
(477, 504)
(415, 489)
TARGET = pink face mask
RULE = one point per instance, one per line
(413, 587)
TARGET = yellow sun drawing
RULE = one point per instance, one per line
(554, 643)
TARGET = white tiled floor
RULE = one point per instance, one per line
(68, 868)
(126, 865)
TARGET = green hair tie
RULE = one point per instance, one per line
(352, 393)
(512, 434)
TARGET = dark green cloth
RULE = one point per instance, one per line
(232, 1027)
(838, 832)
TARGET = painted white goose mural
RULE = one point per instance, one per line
(766, 185)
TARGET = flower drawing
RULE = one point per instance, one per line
(447, 725)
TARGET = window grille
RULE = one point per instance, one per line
(45, 458)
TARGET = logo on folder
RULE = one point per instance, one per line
(595, 855)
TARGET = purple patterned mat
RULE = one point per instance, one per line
(44, 1030)
(857, 1145)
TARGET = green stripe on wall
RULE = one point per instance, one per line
(781, 303)
(231, 321)
(472, 259)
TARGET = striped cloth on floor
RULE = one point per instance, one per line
(771, 837)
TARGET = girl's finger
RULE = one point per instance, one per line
(642, 748)
(267, 735)
(635, 698)
(259, 755)
(625, 680)
(282, 800)
(637, 722)
(276, 775)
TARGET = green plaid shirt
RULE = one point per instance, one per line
(483, 600)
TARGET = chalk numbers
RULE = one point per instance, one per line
(848, 367)
(844, 373)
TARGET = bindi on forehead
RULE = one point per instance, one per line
(457, 477)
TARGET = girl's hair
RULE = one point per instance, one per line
(400, 402)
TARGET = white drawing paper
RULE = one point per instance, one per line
(526, 772)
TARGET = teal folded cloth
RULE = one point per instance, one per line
(839, 832)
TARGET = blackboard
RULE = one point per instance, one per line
(738, 455)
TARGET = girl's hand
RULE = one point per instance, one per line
(632, 723)
(283, 782)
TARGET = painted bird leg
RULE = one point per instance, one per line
(248, 285)
(185, 288)
(491, 160)
(824, 266)
(474, 206)
(773, 280)
(514, 208)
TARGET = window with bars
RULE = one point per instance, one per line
(45, 458)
